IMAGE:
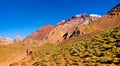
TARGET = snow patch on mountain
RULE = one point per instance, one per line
(95, 15)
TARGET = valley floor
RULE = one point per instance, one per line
(16, 59)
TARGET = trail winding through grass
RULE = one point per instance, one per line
(16, 59)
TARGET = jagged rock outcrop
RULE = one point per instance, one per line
(114, 11)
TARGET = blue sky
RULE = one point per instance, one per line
(23, 17)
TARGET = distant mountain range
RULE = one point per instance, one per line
(10, 40)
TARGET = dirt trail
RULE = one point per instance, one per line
(7, 63)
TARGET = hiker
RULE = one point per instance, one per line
(27, 52)
(30, 51)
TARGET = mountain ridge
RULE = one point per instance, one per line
(78, 25)
(80, 19)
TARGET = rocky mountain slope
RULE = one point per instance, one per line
(110, 20)
(78, 25)
(89, 25)
(41, 33)
(70, 29)
(57, 33)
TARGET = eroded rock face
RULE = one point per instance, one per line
(56, 34)
(61, 33)
(74, 32)
(63, 30)
(69, 28)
